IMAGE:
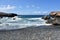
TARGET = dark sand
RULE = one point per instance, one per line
(32, 33)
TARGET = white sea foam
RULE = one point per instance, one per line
(8, 26)
(17, 23)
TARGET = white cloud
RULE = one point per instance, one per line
(20, 7)
(36, 11)
(41, 12)
(45, 12)
(6, 7)
(27, 6)
(32, 5)
(37, 7)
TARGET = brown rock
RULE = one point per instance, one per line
(52, 14)
(55, 14)
(58, 14)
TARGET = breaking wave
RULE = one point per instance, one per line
(17, 23)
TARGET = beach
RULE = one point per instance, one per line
(29, 19)
(32, 33)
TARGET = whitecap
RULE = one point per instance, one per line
(18, 23)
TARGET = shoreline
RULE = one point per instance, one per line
(32, 27)
(31, 33)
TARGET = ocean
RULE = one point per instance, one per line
(22, 21)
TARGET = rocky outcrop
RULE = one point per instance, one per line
(46, 17)
(49, 20)
(54, 18)
(55, 14)
(2, 14)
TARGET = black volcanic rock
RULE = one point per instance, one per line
(2, 14)
(46, 17)
(12, 15)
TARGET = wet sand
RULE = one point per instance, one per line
(32, 33)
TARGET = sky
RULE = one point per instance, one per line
(29, 7)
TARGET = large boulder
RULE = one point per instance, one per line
(54, 18)
(52, 14)
(2, 14)
(55, 14)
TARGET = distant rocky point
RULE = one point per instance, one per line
(53, 17)
(3, 14)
